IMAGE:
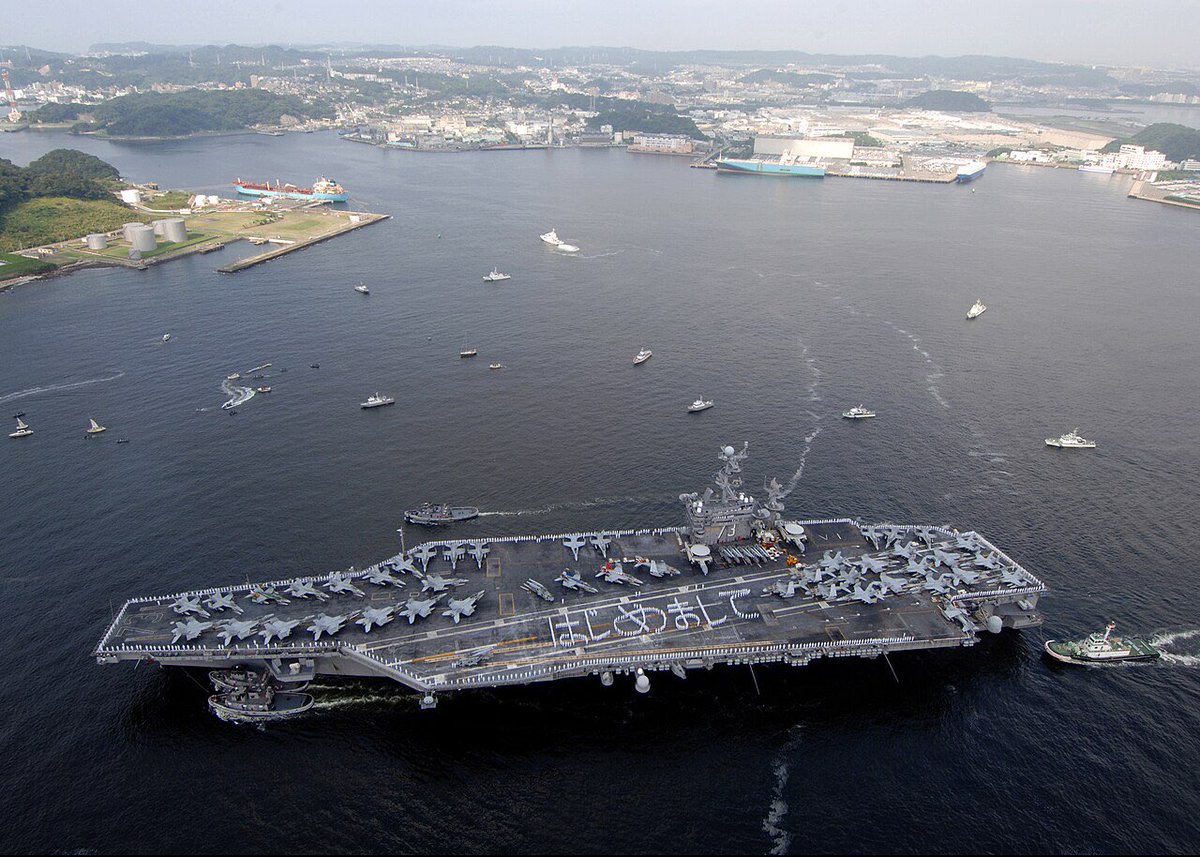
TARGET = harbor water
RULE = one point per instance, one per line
(786, 302)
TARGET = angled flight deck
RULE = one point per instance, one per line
(738, 583)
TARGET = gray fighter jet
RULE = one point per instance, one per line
(327, 625)
(231, 628)
(416, 608)
(832, 589)
(479, 550)
(404, 565)
(891, 584)
(964, 575)
(462, 607)
(867, 594)
(927, 535)
(921, 567)
(941, 557)
(382, 578)
(185, 604)
(277, 629)
(601, 542)
(424, 553)
(305, 589)
(616, 574)
(967, 541)
(830, 562)
(870, 564)
(437, 583)
(262, 594)
(871, 534)
(657, 568)
(908, 550)
(454, 552)
(537, 589)
(937, 584)
(339, 584)
(375, 617)
(190, 630)
(989, 561)
(784, 588)
(575, 543)
(222, 601)
(572, 580)
(1012, 577)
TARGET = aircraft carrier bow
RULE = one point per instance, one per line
(739, 583)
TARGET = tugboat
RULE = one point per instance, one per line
(258, 704)
(1102, 648)
(977, 309)
(435, 514)
(1071, 440)
(643, 355)
(700, 405)
(858, 413)
(377, 401)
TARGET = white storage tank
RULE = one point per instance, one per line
(142, 237)
(174, 229)
(127, 230)
(96, 241)
(159, 227)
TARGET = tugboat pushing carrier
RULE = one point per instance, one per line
(738, 583)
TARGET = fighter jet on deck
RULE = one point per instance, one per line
(601, 542)
(462, 607)
(417, 608)
(454, 552)
(327, 625)
(616, 574)
(785, 588)
(964, 575)
(222, 601)
(927, 535)
(479, 550)
(305, 589)
(575, 543)
(190, 630)
(437, 583)
(830, 562)
(262, 594)
(989, 561)
(1012, 577)
(937, 584)
(537, 589)
(891, 584)
(967, 541)
(424, 553)
(382, 578)
(403, 565)
(914, 567)
(185, 604)
(908, 550)
(572, 580)
(473, 657)
(870, 564)
(277, 629)
(941, 557)
(231, 628)
(340, 584)
(375, 617)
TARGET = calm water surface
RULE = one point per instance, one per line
(787, 303)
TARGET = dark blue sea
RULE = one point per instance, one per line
(786, 302)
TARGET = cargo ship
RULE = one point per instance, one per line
(323, 188)
(970, 172)
(786, 164)
(737, 581)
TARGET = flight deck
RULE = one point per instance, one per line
(739, 583)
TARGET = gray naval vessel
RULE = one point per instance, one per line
(739, 583)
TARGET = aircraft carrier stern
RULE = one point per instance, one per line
(741, 583)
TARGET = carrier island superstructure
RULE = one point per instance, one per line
(739, 583)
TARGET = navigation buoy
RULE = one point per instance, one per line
(642, 682)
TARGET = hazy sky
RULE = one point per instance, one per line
(1138, 32)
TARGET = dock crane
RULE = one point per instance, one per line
(14, 115)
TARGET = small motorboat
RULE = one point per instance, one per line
(233, 376)
(643, 355)
(22, 429)
(95, 427)
(496, 366)
(362, 289)
(122, 440)
(262, 389)
(468, 352)
(314, 365)
(166, 337)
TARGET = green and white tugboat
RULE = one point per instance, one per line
(1102, 648)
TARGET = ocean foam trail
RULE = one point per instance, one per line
(573, 504)
(777, 812)
(53, 388)
(1162, 640)
(1181, 660)
(237, 395)
(796, 477)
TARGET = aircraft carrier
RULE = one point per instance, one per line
(738, 583)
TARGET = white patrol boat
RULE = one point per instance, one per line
(362, 289)
(377, 401)
(858, 413)
(643, 355)
(977, 309)
(1071, 440)
(495, 276)
(700, 405)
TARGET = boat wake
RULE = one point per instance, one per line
(54, 388)
(1167, 644)
(777, 810)
(237, 395)
(799, 474)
